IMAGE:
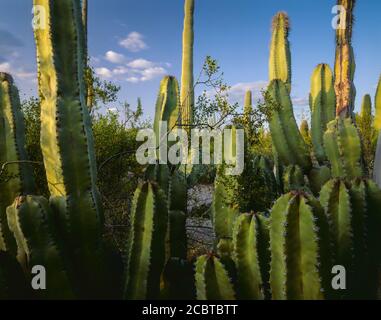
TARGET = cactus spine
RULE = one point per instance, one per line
(212, 279)
(343, 148)
(345, 62)
(299, 246)
(18, 180)
(146, 243)
(287, 139)
(187, 81)
(322, 104)
(66, 137)
(280, 55)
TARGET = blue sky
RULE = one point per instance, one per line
(136, 42)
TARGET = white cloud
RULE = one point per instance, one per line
(134, 42)
(19, 73)
(103, 72)
(115, 57)
(237, 91)
(300, 101)
(151, 73)
(133, 79)
(140, 64)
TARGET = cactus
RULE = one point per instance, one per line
(322, 104)
(29, 219)
(287, 139)
(18, 179)
(146, 243)
(318, 177)
(293, 179)
(167, 106)
(280, 55)
(212, 279)
(187, 90)
(13, 283)
(299, 244)
(343, 148)
(252, 256)
(305, 132)
(67, 141)
(345, 63)
(377, 120)
(353, 213)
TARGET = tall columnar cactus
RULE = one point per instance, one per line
(66, 138)
(343, 148)
(355, 220)
(29, 218)
(287, 139)
(167, 106)
(293, 179)
(345, 62)
(299, 243)
(252, 256)
(212, 279)
(377, 120)
(17, 175)
(248, 106)
(146, 243)
(280, 55)
(187, 80)
(322, 104)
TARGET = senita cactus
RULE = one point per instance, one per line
(146, 243)
(67, 141)
(343, 148)
(29, 219)
(13, 282)
(377, 120)
(212, 279)
(299, 243)
(287, 139)
(167, 106)
(322, 104)
(280, 55)
(345, 61)
(17, 178)
(187, 90)
(353, 213)
(252, 256)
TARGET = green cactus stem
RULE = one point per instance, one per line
(212, 279)
(377, 120)
(343, 148)
(146, 243)
(66, 139)
(17, 177)
(345, 63)
(251, 255)
(293, 179)
(280, 55)
(287, 139)
(299, 243)
(322, 104)
(187, 80)
(28, 219)
(167, 106)
(13, 283)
